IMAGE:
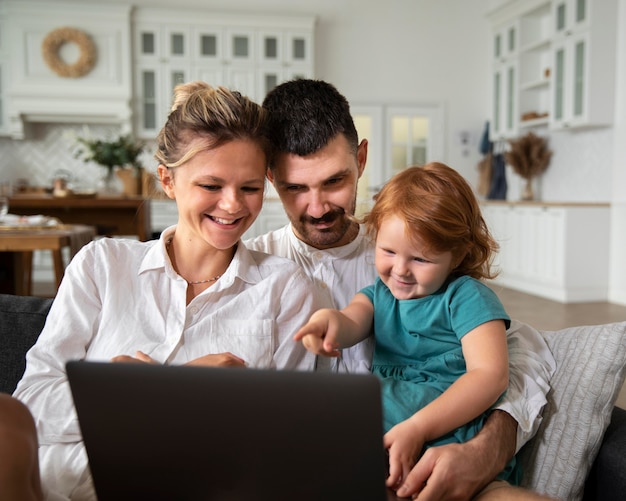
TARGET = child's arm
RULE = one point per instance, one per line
(329, 330)
(487, 377)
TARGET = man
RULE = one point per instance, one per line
(315, 171)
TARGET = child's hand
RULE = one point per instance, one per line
(404, 443)
(319, 334)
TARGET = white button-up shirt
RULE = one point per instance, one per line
(120, 296)
(346, 270)
(340, 271)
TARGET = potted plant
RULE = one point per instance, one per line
(122, 153)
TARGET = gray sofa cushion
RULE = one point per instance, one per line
(24, 316)
(591, 366)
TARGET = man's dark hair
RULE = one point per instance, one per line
(305, 115)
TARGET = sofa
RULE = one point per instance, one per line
(579, 452)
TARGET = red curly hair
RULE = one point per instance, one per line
(440, 210)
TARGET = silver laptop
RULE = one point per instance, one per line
(191, 433)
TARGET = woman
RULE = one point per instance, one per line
(196, 296)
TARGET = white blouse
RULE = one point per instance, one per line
(119, 296)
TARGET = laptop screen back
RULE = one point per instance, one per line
(192, 433)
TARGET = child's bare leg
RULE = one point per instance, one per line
(19, 464)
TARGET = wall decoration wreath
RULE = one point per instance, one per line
(52, 44)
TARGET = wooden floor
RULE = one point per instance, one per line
(544, 314)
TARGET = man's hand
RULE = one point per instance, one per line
(456, 472)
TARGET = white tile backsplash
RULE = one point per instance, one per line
(53, 147)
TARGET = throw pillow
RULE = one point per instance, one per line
(591, 365)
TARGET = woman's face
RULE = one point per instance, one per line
(218, 192)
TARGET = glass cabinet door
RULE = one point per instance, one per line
(148, 42)
(511, 102)
(176, 43)
(581, 14)
(511, 39)
(560, 16)
(570, 15)
(149, 99)
(299, 48)
(271, 46)
(285, 48)
(506, 42)
(497, 100)
(240, 46)
(559, 84)
(570, 83)
(497, 46)
(283, 55)
(578, 107)
(505, 104)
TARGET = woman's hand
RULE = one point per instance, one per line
(140, 357)
(213, 360)
(218, 360)
(404, 443)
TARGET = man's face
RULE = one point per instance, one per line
(318, 192)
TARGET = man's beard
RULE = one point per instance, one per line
(327, 237)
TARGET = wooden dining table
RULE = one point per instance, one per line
(113, 215)
(22, 241)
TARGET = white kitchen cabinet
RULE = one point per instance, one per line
(250, 54)
(520, 58)
(173, 53)
(505, 78)
(506, 41)
(570, 15)
(505, 101)
(584, 63)
(553, 65)
(283, 55)
(557, 251)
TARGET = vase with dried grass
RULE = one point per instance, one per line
(529, 157)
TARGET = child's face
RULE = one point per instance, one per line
(403, 267)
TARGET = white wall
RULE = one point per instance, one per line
(416, 51)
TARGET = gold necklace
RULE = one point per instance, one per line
(192, 282)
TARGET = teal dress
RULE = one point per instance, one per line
(418, 352)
